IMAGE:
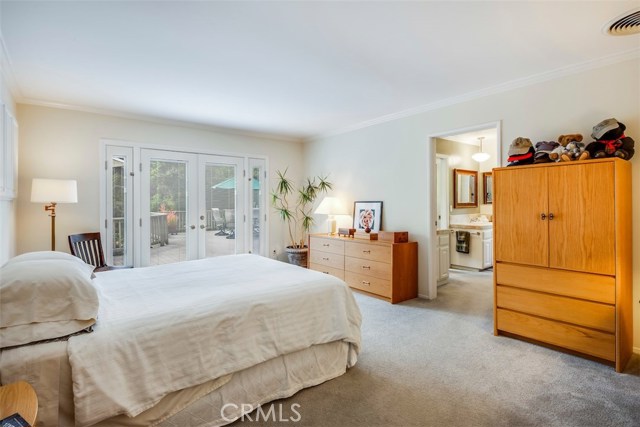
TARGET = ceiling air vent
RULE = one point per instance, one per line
(626, 24)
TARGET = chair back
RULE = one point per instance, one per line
(87, 247)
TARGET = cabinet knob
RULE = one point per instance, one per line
(551, 216)
(543, 216)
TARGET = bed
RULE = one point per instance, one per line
(197, 343)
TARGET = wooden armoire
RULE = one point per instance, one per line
(562, 242)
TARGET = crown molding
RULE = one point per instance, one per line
(161, 120)
(6, 70)
(491, 90)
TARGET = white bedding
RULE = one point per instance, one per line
(165, 328)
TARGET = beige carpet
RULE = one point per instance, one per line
(437, 363)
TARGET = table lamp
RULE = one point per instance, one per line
(52, 192)
(331, 206)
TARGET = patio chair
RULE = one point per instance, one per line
(218, 222)
(230, 222)
(88, 247)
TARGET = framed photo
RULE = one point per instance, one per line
(367, 214)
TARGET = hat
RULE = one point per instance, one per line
(603, 127)
(546, 146)
(519, 145)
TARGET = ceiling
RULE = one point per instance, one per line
(298, 69)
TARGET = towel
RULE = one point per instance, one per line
(462, 241)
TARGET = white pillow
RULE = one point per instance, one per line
(45, 298)
(42, 255)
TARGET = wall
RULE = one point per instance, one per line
(7, 207)
(395, 168)
(64, 144)
(459, 158)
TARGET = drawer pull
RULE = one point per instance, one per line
(325, 272)
(326, 244)
(326, 259)
(364, 282)
(367, 267)
(366, 252)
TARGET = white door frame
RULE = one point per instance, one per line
(432, 215)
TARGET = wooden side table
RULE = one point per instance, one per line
(19, 397)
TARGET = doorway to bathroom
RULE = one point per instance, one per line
(460, 213)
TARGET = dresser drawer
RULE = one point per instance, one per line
(377, 269)
(588, 341)
(337, 272)
(327, 258)
(326, 245)
(375, 252)
(583, 313)
(369, 284)
(587, 286)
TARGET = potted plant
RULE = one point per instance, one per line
(294, 206)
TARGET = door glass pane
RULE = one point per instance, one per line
(257, 207)
(119, 176)
(220, 194)
(168, 211)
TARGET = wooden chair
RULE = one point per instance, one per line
(88, 247)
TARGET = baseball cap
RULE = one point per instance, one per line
(519, 146)
(546, 146)
(603, 127)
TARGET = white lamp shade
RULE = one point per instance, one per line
(54, 190)
(480, 157)
(330, 206)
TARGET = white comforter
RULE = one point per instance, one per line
(164, 328)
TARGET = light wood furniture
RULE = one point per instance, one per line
(19, 397)
(563, 273)
(383, 269)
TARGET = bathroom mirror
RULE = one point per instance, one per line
(487, 183)
(465, 188)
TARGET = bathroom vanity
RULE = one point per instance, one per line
(479, 246)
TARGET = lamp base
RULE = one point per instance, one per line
(331, 226)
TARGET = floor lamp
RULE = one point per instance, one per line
(52, 192)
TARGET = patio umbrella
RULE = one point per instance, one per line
(230, 184)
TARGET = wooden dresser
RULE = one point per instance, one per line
(563, 273)
(383, 269)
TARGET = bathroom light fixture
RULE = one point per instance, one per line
(480, 156)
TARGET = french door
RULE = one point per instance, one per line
(186, 206)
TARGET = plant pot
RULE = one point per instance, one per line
(297, 256)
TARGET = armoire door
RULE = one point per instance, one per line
(520, 206)
(582, 218)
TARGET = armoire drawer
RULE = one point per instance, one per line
(374, 252)
(593, 287)
(583, 313)
(337, 272)
(327, 258)
(326, 245)
(584, 340)
(369, 284)
(377, 269)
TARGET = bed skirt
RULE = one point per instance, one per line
(214, 403)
